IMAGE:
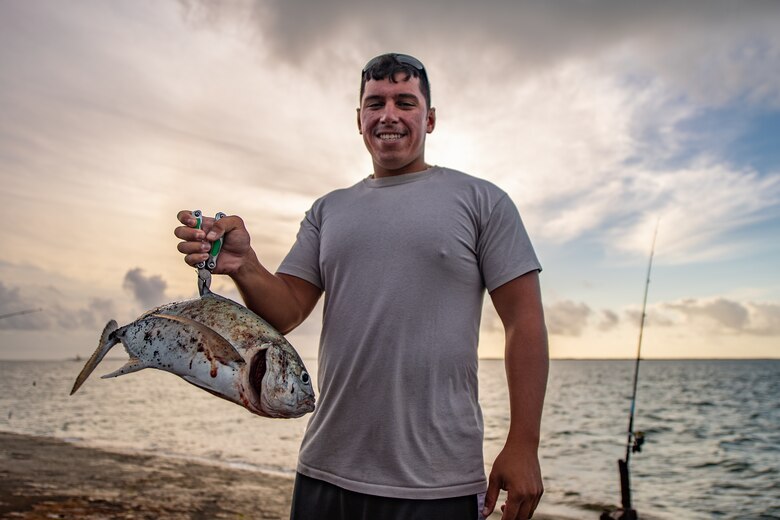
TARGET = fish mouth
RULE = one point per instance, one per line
(307, 403)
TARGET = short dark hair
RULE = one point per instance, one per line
(388, 65)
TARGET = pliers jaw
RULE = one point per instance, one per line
(204, 281)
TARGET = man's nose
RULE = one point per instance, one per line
(389, 114)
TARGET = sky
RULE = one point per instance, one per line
(602, 119)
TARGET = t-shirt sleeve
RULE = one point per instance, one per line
(505, 251)
(303, 260)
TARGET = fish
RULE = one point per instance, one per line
(217, 345)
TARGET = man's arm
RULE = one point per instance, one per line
(283, 301)
(516, 469)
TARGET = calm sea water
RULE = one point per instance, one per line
(712, 428)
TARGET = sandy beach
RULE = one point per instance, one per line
(45, 478)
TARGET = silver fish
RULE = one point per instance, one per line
(218, 345)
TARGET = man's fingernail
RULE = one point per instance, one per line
(485, 512)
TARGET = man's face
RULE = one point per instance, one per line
(394, 119)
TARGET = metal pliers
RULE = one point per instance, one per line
(205, 268)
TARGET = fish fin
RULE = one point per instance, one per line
(218, 346)
(200, 384)
(132, 365)
(106, 343)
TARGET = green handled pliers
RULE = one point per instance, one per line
(205, 268)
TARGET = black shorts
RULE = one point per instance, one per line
(318, 500)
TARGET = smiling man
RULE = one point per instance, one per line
(403, 258)
(394, 117)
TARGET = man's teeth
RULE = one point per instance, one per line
(389, 137)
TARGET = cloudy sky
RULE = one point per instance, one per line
(601, 119)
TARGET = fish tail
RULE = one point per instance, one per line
(106, 343)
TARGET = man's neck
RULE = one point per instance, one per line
(404, 171)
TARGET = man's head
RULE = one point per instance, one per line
(393, 67)
(395, 114)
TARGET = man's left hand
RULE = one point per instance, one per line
(517, 471)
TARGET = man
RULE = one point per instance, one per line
(404, 258)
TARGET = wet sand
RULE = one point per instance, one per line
(44, 478)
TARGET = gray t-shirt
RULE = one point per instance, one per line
(404, 263)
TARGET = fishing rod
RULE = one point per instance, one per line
(635, 439)
(19, 313)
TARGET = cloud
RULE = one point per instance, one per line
(149, 291)
(602, 110)
(609, 320)
(716, 49)
(57, 312)
(655, 316)
(596, 117)
(567, 318)
(729, 316)
(11, 302)
(621, 161)
(708, 316)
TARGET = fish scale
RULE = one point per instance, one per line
(189, 350)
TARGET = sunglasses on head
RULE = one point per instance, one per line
(402, 58)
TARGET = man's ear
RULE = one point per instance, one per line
(360, 128)
(431, 123)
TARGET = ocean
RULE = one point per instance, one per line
(712, 429)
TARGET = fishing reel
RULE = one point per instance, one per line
(638, 439)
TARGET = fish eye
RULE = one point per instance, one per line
(305, 377)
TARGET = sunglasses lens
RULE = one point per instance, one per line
(410, 60)
(370, 64)
(402, 58)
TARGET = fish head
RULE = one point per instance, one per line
(281, 383)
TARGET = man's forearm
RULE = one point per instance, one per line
(278, 300)
(527, 365)
(526, 359)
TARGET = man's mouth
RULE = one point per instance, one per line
(390, 137)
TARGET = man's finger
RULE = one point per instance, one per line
(194, 259)
(491, 496)
(189, 234)
(189, 248)
(224, 226)
(186, 218)
(534, 505)
(511, 510)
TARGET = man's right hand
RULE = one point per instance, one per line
(196, 243)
